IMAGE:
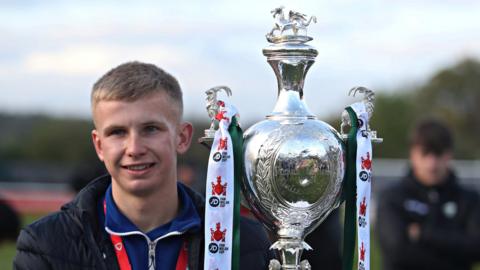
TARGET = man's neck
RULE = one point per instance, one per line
(148, 211)
(431, 182)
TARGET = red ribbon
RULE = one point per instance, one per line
(122, 256)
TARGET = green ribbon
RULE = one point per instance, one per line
(349, 194)
(237, 140)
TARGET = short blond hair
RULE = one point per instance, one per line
(134, 80)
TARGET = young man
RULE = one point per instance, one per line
(428, 220)
(138, 216)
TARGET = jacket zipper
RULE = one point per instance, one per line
(151, 244)
(151, 254)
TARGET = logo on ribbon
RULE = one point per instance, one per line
(221, 116)
(219, 188)
(364, 176)
(361, 261)
(362, 253)
(217, 156)
(217, 238)
(223, 144)
(362, 212)
(223, 156)
(363, 207)
(366, 165)
(360, 123)
(217, 234)
(366, 162)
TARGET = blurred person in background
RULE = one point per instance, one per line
(138, 216)
(9, 223)
(84, 174)
(191, 176)
(428, 220)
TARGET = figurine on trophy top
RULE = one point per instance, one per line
(297, 22)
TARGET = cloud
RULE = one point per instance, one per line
(94, 59)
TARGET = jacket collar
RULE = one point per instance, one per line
(187, 218)
(84, 205)
(86, 200)
(449, 183)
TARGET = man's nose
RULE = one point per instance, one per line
(432, 161)
(135, 146)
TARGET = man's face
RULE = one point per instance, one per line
(428, 168)
(139, 140)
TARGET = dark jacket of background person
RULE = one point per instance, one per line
(73, 239)
(449, 218)
(325, 241)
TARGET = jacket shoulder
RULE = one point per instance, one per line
(30, 252)
(54, 242)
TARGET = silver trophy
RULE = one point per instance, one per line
(294, 164)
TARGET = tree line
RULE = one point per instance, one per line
(451, 94)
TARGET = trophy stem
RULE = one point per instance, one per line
(291, 258)
(290, 250)
(290, 62)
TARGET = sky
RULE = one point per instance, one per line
(51, 52)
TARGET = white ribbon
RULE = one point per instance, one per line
(219, 201)
(364, 177)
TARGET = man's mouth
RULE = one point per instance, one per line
(138, 167)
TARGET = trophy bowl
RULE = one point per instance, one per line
(294, 170)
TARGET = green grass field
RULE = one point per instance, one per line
(7, 250)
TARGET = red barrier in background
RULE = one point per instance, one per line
(35, 202)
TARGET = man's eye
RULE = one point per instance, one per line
(116, 132)
(151, 129)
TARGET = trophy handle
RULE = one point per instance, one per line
(369, 99)
(213, 106)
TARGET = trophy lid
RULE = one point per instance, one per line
(290, 57)
(289, 36)
(288, 49)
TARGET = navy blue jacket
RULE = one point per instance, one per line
(160, 246)
(73, 239)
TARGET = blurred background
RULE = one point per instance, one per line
(421, 58)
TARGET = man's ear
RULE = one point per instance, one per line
(184, 137)
(97, 142)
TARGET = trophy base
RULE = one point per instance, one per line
(275, 265)
(290, 250)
